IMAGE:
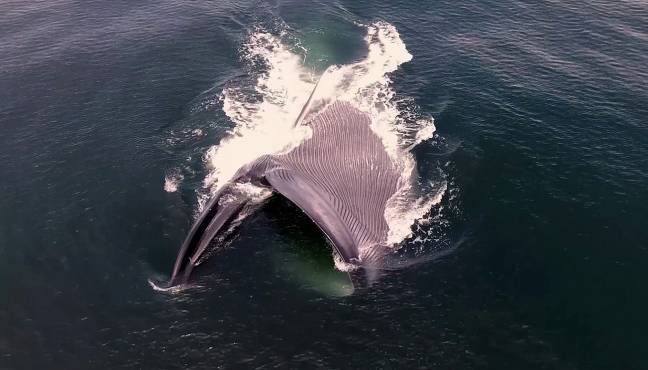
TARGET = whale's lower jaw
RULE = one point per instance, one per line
(341, 177)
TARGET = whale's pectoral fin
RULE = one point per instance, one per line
(218, 213)
(326, 213)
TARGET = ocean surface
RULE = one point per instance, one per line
(521, 126)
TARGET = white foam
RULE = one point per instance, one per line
(405, 208)
(341, 265)
(266, 125)
(425, 132)
(172, 181)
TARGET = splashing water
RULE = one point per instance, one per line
(172, 180)
(267, 126)
(264, 115)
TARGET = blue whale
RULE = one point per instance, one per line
(341, 177)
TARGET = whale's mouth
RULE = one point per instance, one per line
(269, 131)
(267, 112)
(342, 178)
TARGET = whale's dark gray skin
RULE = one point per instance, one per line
(342, 178)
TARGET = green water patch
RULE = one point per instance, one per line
(327, 45)
(310, 265)
(301, 254)
(328, 38)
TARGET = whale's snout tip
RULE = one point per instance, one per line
(166, 286)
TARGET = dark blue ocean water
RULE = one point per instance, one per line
(540, 109)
